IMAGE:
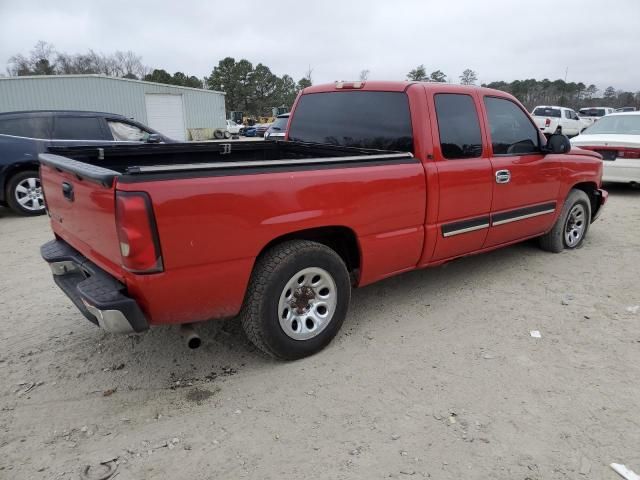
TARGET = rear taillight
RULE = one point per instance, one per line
(629, 153)
(137, 233)
(547, 122)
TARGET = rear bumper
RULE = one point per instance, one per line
(601, 196)
(621, 170)
(100, 297)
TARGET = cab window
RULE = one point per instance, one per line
(458, 126)
(512, 132)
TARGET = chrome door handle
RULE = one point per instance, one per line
(503, 176)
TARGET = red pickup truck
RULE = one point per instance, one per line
(376, 178)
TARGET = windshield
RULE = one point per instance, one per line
(378, 120)
(547, 112)
(593, 112)
(618, 124)
(280, 124)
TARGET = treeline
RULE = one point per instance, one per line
(255, 90)
(532, 92)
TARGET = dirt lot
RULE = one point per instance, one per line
(434, 375)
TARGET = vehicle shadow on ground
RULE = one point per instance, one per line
(622, 189)
(225, 348)
(8, 213)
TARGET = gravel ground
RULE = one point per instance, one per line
(434, 375)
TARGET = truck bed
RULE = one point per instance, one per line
(131, 162)
(216, 207)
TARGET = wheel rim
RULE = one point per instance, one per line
(575, 225)
(307, 303)
(28, 194)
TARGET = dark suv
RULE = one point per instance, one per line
(23, 135)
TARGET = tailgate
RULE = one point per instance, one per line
(540, 121)
(80, 199)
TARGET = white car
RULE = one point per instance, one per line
(233, 128)
(617, 138)
(553, 119)
(591, 114)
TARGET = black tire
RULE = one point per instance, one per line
(227, 134)
(274, 269)
(217, 134)
(11, 195)
(555, 240)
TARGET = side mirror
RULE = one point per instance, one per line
(557, 143)
(154, 138)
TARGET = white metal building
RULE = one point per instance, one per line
(168, 109)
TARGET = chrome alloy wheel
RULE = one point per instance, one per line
(307, 303)
(28, 194)
(575, 226)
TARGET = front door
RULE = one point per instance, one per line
(464, 175)
(525, 181)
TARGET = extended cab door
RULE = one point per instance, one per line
(464, 173)
(525, 182)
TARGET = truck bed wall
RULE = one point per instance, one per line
(212, 229)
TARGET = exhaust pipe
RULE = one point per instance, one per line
(192, 338)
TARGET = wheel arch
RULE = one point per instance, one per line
(343, 240)
(12, 170)
(590, 188)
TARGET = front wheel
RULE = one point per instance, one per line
(571, 226)
(24, 193)
(297, 299)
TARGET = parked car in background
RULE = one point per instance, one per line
(278, 129)
(233, 128)
(617, 138)
(553, 119)
(249, 131)
(376, 178)
(592, 114)
(626, 109)
(261, 129)
(23, 135)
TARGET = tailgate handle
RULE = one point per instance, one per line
(67, 191)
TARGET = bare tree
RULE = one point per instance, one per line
(364, 75)
(468, 77)
(41, 61)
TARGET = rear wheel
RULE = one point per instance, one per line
(297, 299)
(227, 134)
(571, 226)
(24, 193)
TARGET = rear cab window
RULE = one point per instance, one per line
(364, 119)
(511, 130)
(78, 128)
(280, 124)
(592, 112)
(547, 112)
(31, 127)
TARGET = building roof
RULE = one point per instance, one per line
(107, 77)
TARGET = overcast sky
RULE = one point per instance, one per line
(598, 41)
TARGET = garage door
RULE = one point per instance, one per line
(165, 114)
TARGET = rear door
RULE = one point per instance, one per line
(83, 128)
(525, 182)
(464, 174)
